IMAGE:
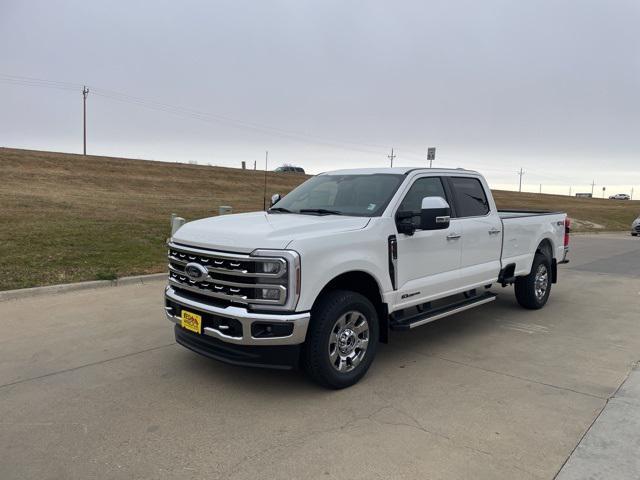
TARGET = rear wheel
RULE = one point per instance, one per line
(342, 339)
(533, 291)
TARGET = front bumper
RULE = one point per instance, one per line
(236, 325)
(284, 357)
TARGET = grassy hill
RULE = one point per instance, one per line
(68, 218)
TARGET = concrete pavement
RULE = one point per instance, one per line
(92, 385)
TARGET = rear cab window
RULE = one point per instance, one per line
(471, 199)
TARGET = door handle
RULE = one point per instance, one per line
(453, 236)
(494, 231)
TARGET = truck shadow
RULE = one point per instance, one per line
(447, 332)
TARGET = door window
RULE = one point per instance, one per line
(471, 201)
(422, 187)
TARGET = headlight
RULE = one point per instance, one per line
(278, 275)
(269, 293)
(268, 267)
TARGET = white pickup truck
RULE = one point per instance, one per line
(320, 278)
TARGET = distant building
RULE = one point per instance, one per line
(584, 195)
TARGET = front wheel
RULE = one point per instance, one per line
(533, 291)
(342, 339)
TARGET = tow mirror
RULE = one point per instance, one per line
(435, 214)
(275, 198)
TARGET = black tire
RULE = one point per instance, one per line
(528, 293)
(634, 234)
(334, 307)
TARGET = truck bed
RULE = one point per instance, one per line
(523, 230)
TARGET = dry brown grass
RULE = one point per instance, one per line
(609, 214)
(67, 218)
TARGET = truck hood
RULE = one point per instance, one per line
(246, 232)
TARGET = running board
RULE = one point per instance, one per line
(441, 312)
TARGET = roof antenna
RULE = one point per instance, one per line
(264, 196)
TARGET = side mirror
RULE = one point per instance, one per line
(275, 198)
(435, 214)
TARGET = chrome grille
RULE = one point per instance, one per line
(230, 277)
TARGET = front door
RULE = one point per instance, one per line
(428, 260)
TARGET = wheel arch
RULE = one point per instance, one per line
(367, 285)
(546, 247)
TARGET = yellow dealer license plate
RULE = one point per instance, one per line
(191, 321)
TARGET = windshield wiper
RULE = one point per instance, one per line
(320, 211)
(279, 209)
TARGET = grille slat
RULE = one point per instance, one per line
(230, 277)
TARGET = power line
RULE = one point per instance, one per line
(195, 114)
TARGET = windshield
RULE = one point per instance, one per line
(355, 195)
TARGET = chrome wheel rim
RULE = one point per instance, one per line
(541, 281)
(348, 341)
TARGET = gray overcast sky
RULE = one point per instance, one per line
(552, 86)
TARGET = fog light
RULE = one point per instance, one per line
(266, 330)
(268, 267)
(270, 294)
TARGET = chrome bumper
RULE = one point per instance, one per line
(300, 321)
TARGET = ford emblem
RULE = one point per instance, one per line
(195, 271)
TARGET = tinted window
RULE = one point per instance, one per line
(358, 195)
(471, 200)
(423, 187)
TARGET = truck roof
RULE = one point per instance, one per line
(395, 170)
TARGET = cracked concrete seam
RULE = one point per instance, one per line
(371, 418)
(444, 359)
(634, 366)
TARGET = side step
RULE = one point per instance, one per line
(407, 323)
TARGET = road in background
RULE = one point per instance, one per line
(93, 385)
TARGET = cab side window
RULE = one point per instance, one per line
(422, 187)
(470, 197)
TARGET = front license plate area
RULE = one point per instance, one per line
(191, 321)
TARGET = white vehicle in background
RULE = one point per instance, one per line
(323, 276)
(620, 196)
(635, 227)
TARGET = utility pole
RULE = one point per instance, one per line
(264, 196)
(593, 184)
(569, 191)
(631, 197)
(85, 92)
(391, 157)
(521, 172)
(540, 188)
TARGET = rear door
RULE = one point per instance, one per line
(428, 260)
(481, 230)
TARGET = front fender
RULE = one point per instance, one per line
(323, 259)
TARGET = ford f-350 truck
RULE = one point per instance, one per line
(320, 278)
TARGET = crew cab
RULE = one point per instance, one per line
(320, 278)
